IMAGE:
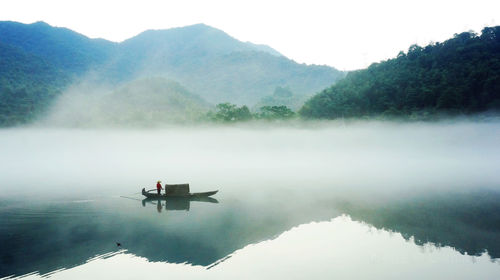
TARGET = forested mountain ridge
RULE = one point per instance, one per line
(205, 60)
(460, 75)
(37, 61)
(197, 40)
(28, 84)
(65, 49)
(219, 68)
(172, 51)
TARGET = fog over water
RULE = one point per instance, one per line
(380, 158)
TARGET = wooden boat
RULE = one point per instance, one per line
(176, 190)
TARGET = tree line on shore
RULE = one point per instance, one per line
(227, 113)
(458, 76)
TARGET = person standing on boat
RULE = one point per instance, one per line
(159, 187)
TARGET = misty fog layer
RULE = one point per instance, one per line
(147, 102)
(358, 159)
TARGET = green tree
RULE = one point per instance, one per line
(227, 112)
(275, 113)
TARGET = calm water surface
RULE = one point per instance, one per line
(368, 200)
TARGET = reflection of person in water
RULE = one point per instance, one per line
(159, 187)
(158, 206)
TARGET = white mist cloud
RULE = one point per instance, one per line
(146, 102)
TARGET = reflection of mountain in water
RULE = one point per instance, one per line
(66, 235)
(468, 222)
(50, 236)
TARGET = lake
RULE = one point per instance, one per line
(356, 200)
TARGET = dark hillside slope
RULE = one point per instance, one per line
(28, 84)
(460, 75)
(64, 48)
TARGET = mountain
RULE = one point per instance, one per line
(205, 60)
(460, 75)
(216, 66)
(37, 61)
(176, 53)
(28, 84)
(197, 40)
(65, 49)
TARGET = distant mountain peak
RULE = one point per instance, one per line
(199, 25)
(41, 23)
(195, 28)
(198, 35)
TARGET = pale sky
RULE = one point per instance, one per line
(345, 34)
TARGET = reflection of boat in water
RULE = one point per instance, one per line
(177, 202)
(178, 191)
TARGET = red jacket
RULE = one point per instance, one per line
(158, 186)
